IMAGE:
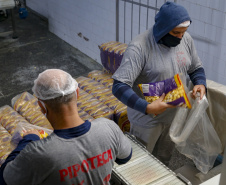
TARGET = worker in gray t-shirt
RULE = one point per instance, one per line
(77, 152)
(156, 55)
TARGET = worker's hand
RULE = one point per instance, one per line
(158, 106)
(199, 88)
(32, 131)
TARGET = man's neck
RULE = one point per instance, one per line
(67, 118)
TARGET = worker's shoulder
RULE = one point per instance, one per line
(104, 123)
(187, 36)
(39, 145)
(141, 39)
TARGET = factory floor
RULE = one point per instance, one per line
(36, 49)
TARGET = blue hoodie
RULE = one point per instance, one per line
(169, 16)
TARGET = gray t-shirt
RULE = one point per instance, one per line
(87, 159)
(145, 61)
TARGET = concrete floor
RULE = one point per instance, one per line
(36, 49)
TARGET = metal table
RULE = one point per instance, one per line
(5, 5)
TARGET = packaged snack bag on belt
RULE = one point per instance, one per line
(23, 128)
(174, 88)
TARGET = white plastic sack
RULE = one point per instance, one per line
(194, 135)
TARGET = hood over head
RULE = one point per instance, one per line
(169, 16)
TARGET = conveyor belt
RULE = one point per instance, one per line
(144, 169)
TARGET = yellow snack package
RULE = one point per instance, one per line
(174, 89)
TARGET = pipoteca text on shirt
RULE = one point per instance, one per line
(72, 171)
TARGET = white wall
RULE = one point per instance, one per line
(96, 20)
(40, 6)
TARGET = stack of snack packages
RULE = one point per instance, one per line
(98, 86)
(27, 106)
(9, 119)
(5, 145)
(89, 103)
(111, 54)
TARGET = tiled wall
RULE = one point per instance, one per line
(208, 30)
(86, 24)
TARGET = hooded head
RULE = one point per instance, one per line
(169, 16)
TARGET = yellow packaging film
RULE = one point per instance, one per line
(106, 45)
(24, 128)
(94, 73)
(123, 121)
(9, 118)
(98, 75)
(100, 92)
(5, 152)
(84, 115)
(5, 145)
(107, 99)
(110, 47)
(103, 77)
(120, 48)
(27, 106)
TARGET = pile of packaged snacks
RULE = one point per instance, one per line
(174, 88)
(27, 106)
(88, 84)
(9, 118)
(111, 54)
(93, 107)
(104, 95)
(84, 115)
(103, 77)
(5, 145)
(5, 152)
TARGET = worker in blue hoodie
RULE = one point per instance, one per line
(158, 54)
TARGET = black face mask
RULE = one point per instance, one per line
(170, 41)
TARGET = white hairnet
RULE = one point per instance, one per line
(184, 24)
(53, 83)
